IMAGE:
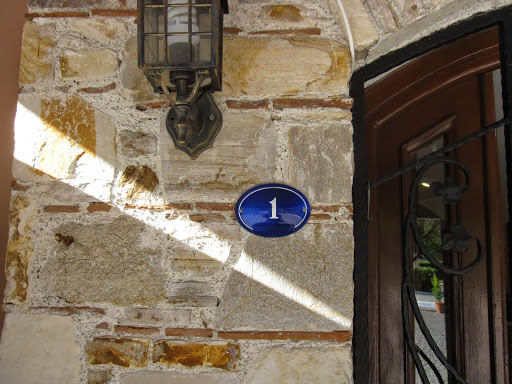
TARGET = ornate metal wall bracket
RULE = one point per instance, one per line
(459, 239)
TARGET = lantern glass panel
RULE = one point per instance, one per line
(204, 18)
(204, 53)
(154, 50)
(154, 20)
(201, 1)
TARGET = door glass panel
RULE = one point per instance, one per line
(430, 283)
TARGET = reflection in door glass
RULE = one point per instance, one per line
(429, 283)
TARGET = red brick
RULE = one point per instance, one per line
(295, 32)
(154, 105)
(162, 207)
(350, 208)
(61, 209)
(189, 332)
(72, 310)
(312, 103)
(198, 218)
(35, 15)
(146, 331)
(247, 104)
(340, 336)
(115, 12)
(216, 206)
(95, 90)
(99, 207)
(103, 326)
(231, 31)
(326, 208)
(122, 3)
(19, 187)
(320, 216)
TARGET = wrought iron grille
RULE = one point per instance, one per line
(458, 238)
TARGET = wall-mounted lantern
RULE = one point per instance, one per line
(180, 52)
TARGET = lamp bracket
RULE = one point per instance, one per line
(194, 126)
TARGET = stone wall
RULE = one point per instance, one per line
(125, 262)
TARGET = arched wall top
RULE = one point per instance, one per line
(418, 33)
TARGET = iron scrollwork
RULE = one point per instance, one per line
(459, 239)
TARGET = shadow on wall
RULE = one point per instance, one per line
(140, 250)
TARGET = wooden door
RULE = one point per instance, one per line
(427, 104)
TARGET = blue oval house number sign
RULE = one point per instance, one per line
(272, 210)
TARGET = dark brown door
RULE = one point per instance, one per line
(425, 105)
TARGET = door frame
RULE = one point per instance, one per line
(502, 18)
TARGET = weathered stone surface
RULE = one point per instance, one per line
(239, 159)
(303, 366)
(409, 10)
(62, 138)
(321, 162)
(122, 352)
(39, 349)
(179, 378)
(282, 13)
(36, 52)
(364, 33)
(137, 143)
(138, 180)
(196, 267)
(224, 356)
(100, 29)
(19, 249)
(383, 15)
(88, 64)
(99, 377)
(157, 316)
(263, 67)
(132, 78)
(300, 282)
(105, 263)
(191, 294)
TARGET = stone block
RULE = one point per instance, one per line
(133, 79)
(243, 155)
(99, 377)
(191, 294)
(196, 267)
(100, 29)
(364, 33)
(224, 356)
(179, 378)
(138, 180)
(321, 162)
(283, 13)
(85, 65)
(157, 316)
(123, 352)
(280, 66)
(36, 53)
(19, 249)
(39, 349)
(137, 143)
(301, 282)
(64, 138)
(106, 263)
(329, 365)
(383, 15)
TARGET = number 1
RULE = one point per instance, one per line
(273, 203)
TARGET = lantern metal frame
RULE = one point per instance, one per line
(194, 119)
